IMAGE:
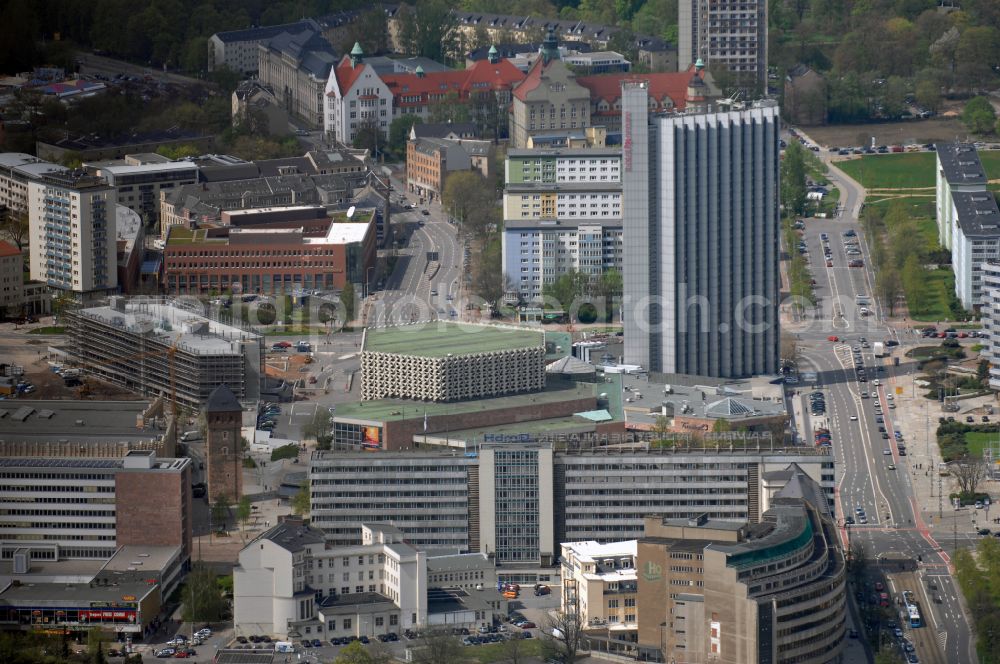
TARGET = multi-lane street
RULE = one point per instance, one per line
(874, 478)
(427, 278)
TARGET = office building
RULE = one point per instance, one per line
(16, 171)
(773, 591)
(991, 319)
(957, 169)
(445, 361)
(701, 224)
(271, 250)
(155, 348)
(203, 204)
(975, 240)
(296, 64)
(59, 509)
(519, 501)
(11, 280)
(288, 579)
(72, 233)
(139, 179)
(599, 581)
(730, 35)
(562, 212)
(239, 50)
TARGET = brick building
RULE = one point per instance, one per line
(311, 253)
(223, 445)
(429, 161)
(153, 502)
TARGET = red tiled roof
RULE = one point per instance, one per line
(7, 249)
(609, 86)
(346, 74)
(530, 81)
(482, 75)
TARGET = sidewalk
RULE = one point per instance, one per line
(917, 419)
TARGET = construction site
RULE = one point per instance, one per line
(154, 347)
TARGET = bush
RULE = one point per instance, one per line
(285, 452)
(968, 498)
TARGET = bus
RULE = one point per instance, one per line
(914, 613)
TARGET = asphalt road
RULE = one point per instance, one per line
(871, 473)
(426, 281)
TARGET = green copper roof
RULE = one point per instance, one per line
(357, 49)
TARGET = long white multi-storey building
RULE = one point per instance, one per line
(562, 213)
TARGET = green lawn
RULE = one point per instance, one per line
(940, 286)
(906, 170)
(977, 440)
(498, 652)
(887, 171)
(51, 329)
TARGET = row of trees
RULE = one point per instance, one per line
(979, 577)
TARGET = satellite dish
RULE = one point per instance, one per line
(350, 212)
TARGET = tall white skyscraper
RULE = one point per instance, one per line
(72, 227)
(724, 33)
(701, 229)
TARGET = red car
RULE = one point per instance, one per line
(833, 338)
(284, 344)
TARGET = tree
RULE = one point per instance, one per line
(489, 281)
(789, 347)
(914, 279)
(514, 651)
(969, 472)
(201, 598)
(721, 425)
(368, 138)
(399, 132)
(564, 636)
(438, 646)
(319, 428)
(348, 299)
(354, 653)
(471, 201)
(428, 29)
(450, 109)
(301, 501)
(243, 511)
(979, 116)
(220, 511)
(793, 179)
(888, 287)
(95, 645)
(567, 288)
(16, 227)
(661, 427)
(371, 30)
(928, 94)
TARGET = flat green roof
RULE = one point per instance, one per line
(182, 235)
(553, 425)
(438, 338)
(392, 410)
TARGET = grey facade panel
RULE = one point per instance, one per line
(711, 227)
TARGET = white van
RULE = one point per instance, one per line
(283, 646)
(191, 437)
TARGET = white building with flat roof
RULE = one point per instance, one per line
(72, 230)
(599, 581)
